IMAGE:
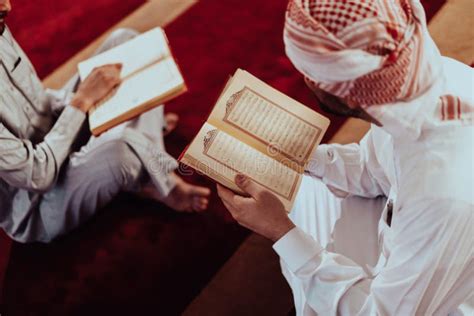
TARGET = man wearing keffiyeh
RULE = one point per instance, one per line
(383, 227)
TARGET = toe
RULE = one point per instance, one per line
(171, 120)
(172, 117)
(200, 204)
(200, 191)
(171, 123)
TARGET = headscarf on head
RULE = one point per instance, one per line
(372, 52)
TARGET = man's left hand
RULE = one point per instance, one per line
(262, 212)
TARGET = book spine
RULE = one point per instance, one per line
(183, 153)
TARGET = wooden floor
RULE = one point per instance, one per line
(251, 283)
(453, 30)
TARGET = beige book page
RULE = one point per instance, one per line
(138, 53)
(221, 157)
(268, 120)
(150, 84)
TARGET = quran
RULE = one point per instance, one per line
(260, 132)
(150, 77)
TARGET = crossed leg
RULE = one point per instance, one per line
(130, 157)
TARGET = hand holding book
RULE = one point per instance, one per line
(148, 79)
(261, 212)
(257, 131)
(101, 82)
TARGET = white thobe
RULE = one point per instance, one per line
(339, 261)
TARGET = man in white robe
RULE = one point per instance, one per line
(384, 227)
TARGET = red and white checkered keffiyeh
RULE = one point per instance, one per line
(367, 52)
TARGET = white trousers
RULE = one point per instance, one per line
(347, 226)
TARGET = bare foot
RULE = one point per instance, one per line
(184, 197)
(171, 123)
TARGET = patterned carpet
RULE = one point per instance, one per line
(137, 257)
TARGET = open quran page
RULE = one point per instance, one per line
(268, 120)
(221, 156)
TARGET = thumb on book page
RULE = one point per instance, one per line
(247, 185)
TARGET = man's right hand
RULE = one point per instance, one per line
(96, 86)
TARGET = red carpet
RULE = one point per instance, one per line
(5, 245)
(137, 257)
(53, 31)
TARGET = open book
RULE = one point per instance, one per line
(260, 132)
(150, 77)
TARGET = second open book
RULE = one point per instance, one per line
(150, 77)
(257, 131)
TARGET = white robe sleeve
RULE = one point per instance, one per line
(33, 167)
(345, 168)
(58, 99)
(429, 270)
